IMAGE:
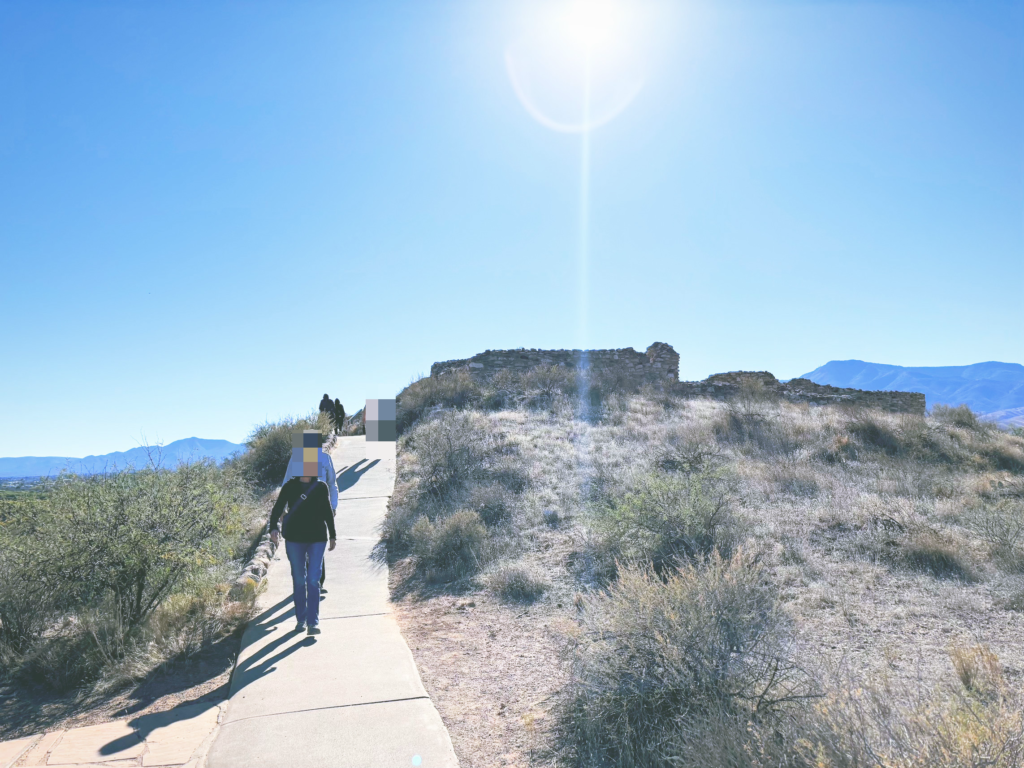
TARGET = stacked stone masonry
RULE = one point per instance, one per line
(725, 386)
(660, 365)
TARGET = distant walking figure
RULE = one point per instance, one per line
(310, 519)
(326, 406)
(339, 416)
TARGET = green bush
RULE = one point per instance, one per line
(270, 448)
(666, 669)
(666, 520)
(451, 549)
(97, 557)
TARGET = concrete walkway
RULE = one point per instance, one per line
(351, 696)
(177, 737)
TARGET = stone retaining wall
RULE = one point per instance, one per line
(725, 386)
(659, 363)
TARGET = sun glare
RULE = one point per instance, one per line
(579, 64)
(590, 24)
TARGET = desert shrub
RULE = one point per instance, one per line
(450, 549)
(795, 478)
(1005, 453)
(665, 520)
(452, 461)
(1013, 601)
(492, 501)
(270, 448)
(516, 583)
(63, 660)
(187, 622)
(688, 453)
(837, 451)
(1001, 525)
(883, 724)
(755, 425)
(664, 670)
(875, 432)
(455, 389)
(502, 390)
(542, 385)
(913, 546)
(930, 552)
(960, 416)
(100, 555)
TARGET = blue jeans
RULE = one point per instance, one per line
(306, 561)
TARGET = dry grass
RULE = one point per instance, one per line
(517, 583)
(660, 666)
(879, 537)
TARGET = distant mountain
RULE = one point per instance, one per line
(995, 390)
(170, 455)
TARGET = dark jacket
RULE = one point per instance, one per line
(312, 521)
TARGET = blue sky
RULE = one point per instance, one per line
(211, 213)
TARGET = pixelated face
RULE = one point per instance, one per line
(306, 448)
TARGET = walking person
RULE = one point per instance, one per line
(339, 416)
(326, 406)
(325, 472)
(308, 528)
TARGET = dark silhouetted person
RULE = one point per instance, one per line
(339, 416)
(326, 406)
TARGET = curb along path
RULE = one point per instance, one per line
(351, 696)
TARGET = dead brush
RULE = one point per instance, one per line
(1001, 526)
(517, 584)
(455, 547)
(454, 389)
(882, 723)
(664, 669)
(978, 669)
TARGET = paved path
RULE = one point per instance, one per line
(177, 737)
(351, 696)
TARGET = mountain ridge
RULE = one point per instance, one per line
(993, 389)
(172, 454)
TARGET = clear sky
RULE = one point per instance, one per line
(212, 213)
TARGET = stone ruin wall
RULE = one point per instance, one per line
(724, 386)
(660, 365)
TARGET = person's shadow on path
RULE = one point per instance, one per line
(350, 475)
(258, 628)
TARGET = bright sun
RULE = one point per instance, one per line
(590, 24)
(579, 64)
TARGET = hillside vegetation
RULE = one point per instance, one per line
(741, 583)
(107, 579)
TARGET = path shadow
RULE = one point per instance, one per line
(351, 474)
(27, 708)
(260, 626)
